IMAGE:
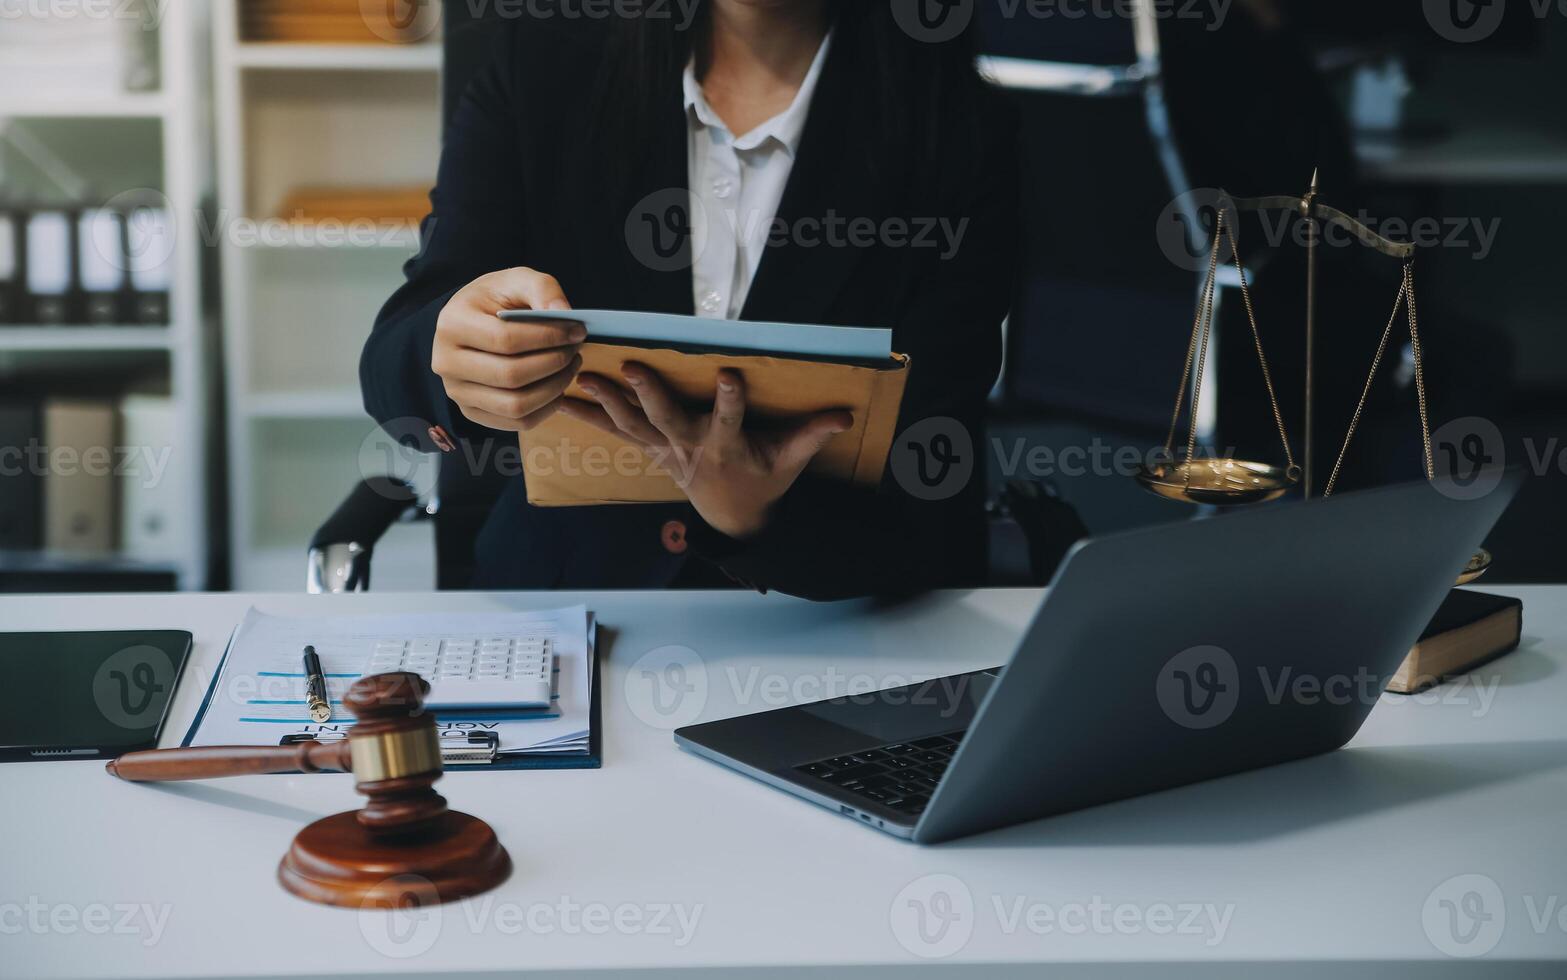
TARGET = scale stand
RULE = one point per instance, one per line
(1228, 482)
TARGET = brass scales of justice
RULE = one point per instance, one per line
(1224, 481)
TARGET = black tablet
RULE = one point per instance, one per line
(86, 695)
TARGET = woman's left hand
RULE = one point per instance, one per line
(732, 476)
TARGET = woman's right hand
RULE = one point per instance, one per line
(508, 376)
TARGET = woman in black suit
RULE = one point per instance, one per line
(852, 169)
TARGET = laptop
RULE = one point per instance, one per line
(1158, 658)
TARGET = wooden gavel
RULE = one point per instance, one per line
(403, 846)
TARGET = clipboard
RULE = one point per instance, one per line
(592, 759)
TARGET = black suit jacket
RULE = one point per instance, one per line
(514, 189)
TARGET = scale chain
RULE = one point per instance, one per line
(1198, 329)
(1262, 359)
(1406, 291)
(1420, 376)
(1205, 314)
(1197, 352)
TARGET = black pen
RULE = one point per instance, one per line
(315, 688)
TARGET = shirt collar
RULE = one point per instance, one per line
(787, 127)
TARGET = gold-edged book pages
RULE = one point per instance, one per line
(572, 464)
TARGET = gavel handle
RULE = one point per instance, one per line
(212, 761)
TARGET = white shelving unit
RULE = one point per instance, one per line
(296, 310)
(89, 126)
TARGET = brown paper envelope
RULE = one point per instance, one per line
(571, 464)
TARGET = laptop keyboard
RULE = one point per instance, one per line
(900, 775)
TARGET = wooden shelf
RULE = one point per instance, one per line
(67, 562)
(113, 105)
(69, 338)
(307, 404)
(339, 57)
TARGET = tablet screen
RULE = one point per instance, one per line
(86, 695)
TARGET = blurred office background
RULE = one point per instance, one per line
(203, 204)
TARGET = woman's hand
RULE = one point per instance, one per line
(508, 376)
(732, 476)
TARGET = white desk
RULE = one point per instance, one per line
(1331, 859)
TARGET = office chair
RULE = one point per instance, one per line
(1096, 328)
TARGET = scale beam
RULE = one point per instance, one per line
(1329, 215)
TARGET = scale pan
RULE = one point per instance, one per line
(1478, 566)
(1223, 482)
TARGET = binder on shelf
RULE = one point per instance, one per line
(10, 267)
(101, 257)
(20, 481)
(79, 478)
(50, 271)
(149, 247)
(152, 528)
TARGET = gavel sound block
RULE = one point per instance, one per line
(405, 847)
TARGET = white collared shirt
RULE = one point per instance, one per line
(736, 185)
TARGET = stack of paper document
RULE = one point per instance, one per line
(671, 329)
(258, 697)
